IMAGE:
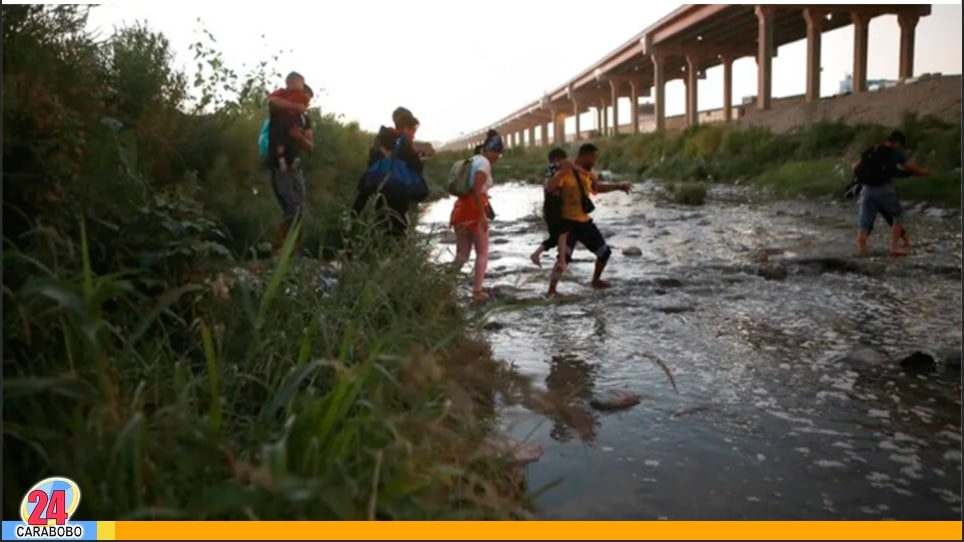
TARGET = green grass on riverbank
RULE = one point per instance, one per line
(813, 161)
(138, 359)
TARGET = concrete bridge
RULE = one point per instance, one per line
(683, 45)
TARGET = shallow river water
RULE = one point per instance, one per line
(786, 400)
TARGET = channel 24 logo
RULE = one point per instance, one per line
(46, 509)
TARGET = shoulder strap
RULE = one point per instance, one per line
(582, 189)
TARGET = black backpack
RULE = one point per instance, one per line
(875, 167)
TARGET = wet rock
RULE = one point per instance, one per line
(493, 326)
(687, 410)
(496, 256)
(953, 361)
(772, 272)
(675, 309)
(865, 356)
(918, 362)
(632, 252)
(937, 212)
(500, 241)
(669, 283)
(650, 223)
(763, 255)
(504, 292)
(780, 212)
(520, 453)
(704, 222)
(608, 233)
(662, 232)
(618, 400)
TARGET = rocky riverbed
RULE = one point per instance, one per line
(777, 376)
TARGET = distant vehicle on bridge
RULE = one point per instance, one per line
(847, 84)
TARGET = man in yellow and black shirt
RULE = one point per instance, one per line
(575, 182)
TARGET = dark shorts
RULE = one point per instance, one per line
(289, 189)
(586, 233)
(878, 199)
(552, 214)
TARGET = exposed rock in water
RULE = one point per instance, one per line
(500, 241)
(520, 453)
(918, 362)
(668, 283)
(865, 356)
(675, 309)
(615, 401)
(704, 222)
(493, 326)
(937, 212)
(632, 251)
(772, 272)
(953, 361)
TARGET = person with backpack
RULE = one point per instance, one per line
(391, 210)
(574, 189)
(875, 172)
(303, 134)
(471, 213)
(286, 139)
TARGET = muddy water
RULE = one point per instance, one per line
(786, 399)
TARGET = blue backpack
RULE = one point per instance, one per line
(393, 178)
(263, 139)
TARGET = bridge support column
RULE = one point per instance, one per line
(861, 26)
(575, 109)
(659, 92)
(600, 112)
(908, 32)
(634, 105)
(727, 88)
(692, 85)
(543, 133)
(561, 125)
(604, 108)
(814, 19)
(614, 91)
(532, 136)
(764, 56)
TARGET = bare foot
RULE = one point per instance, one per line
(535, 257)
(600, 284)
(861, 252)
(553, 294)
(897, 252)
(480, 297)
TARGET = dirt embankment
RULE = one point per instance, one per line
(937, 95)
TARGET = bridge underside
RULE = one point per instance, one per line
(686, 43)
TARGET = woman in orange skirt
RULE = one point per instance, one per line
(471, 214)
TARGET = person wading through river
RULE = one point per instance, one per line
(875, 172)
(471, 214)
(574, 189)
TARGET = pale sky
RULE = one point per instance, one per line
(460, 66)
